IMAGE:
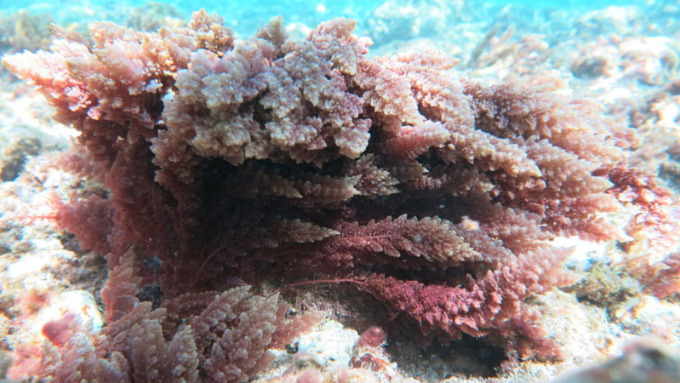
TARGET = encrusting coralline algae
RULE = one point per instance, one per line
(274, 161)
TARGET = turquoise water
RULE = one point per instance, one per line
(246, 16)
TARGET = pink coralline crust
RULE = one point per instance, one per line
(373, 336)
(268, 159)
(57, 331)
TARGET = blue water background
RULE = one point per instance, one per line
(246, 16)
